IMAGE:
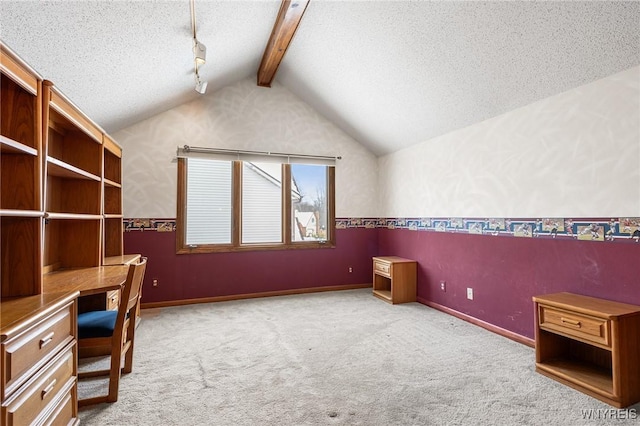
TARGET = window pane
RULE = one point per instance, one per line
(308, 202)
(209, 205)
(261, 203)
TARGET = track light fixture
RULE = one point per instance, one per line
(199, 52)
(201, 86)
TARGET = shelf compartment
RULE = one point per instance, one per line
(382, 287)
(112, 200)
(70, 145)
(71, 195)
(64, 113)
(19, 179)
(590, 377)
(383, 294)
(381, 283)
(112, 162)
(20, 140)
(71, 243)
(19, 113)
(20, 255)
(113, 229)
(61, 169)
(579, 362)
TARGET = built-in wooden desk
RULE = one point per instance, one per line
(99, 279)
(101, 283)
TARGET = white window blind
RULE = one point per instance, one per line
(261, 203)
(209, 201)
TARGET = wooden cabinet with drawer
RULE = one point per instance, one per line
(394, 279)
(39, 362)
(590, 344)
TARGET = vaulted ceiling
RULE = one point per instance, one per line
(389, 73)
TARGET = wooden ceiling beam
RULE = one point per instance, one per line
(284, 29)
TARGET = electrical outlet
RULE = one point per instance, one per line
(155, 283)
(469, 293)
(443, 285)
(350, 269)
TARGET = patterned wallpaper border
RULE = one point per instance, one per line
(588, 229)
(625, 229)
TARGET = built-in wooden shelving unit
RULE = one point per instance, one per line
(60, 208)
(21, 209)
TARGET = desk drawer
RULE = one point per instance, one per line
(25, 353)
(113, 298)
(65, 410)
(382, 268)
(582, 327)
(28, 404)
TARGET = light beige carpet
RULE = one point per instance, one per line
(338, 358)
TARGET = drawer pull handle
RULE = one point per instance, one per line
(570, 322)
(46, 340)
(48, 389)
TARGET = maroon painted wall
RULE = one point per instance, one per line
(192, 276)
(506, 272)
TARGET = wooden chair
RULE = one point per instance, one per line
(112, 333)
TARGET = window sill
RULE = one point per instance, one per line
(254, 247)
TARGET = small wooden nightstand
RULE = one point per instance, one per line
(591, 345)
(394, 279)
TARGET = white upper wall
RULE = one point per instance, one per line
(246, 117)
(575, 154)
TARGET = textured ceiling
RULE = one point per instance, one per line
(390, 74)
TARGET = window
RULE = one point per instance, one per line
(308, 202)
(209, 200)
(261, 203)
(232, 205)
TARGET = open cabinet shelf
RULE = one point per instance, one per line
(20, 247)
(20, 140)
(71, 243)
(113, 237)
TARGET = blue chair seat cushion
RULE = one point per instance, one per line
(96, 324)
